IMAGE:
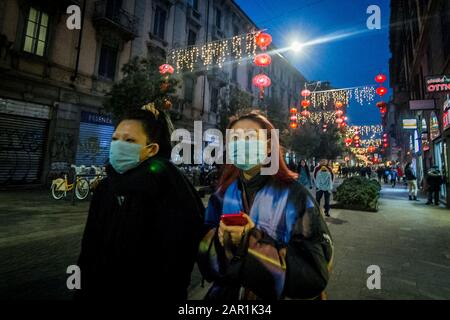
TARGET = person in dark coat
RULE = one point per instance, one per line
(434, 182)
(145, 219)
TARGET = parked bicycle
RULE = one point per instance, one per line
(61, 186)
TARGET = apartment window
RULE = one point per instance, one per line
(189, 89)
(218, 18)
(159, 22)
(192, 38)
(36, 32)
(107, 63)
(214, 99)
(193, 4)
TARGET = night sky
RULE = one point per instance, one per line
(349, 61)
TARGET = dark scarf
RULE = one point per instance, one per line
(252, 186)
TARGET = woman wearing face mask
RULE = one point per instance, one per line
(145, 218)
(268, 238)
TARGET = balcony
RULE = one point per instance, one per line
(125, 23)
(218, 76)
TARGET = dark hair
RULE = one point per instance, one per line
(156, 128)
(230, 172)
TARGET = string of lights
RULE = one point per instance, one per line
(214, 53)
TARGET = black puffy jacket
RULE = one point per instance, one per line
(141, 235)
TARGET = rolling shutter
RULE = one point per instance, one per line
(93, 144)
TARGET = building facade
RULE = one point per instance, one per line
(53, 80)
(420, 46)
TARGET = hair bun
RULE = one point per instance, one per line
(151, 108)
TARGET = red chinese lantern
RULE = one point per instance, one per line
(385, 134)
(371, 149)
(385, 145)
(345, 118)
(381, 104)
(339, 104)
(380, 78)
(343, 124)
(305, 93)
(381, 91)
(166, 68)
(263, 40)
(305, 113)
(293, 118)
(294, 125)
(305, 103)
(261, 81)
(263, 60)
(348, 140)
(339, 113)
(293, 110)
(383, 110)
(356, 138)
(339, 120)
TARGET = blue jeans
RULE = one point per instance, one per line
(327, 194)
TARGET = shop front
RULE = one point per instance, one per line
(23, 141)
(443, 165)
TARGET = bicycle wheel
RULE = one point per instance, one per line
(57, 194)
(82, 189)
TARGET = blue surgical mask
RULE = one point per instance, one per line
(247, 154)
(124, 156)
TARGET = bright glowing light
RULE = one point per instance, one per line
(296, 46)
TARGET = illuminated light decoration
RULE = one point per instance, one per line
(339, 120)
(380, 78)
(306, 103)
(339, 104)
(383, 110)
(293, 110)
(294, 118)
(322, 117)
(362, 95)
(305, 113)
(381, 91)
(345, 118)
(371, 149)
(356, 138)
(261, 81)
(381, 104)
(305, 93)
(213, 53)
(385, 134)
(385, 145)
(339, 113)
(366, 130)
(343, 124)
(263, 40)
(262, 60)
(294, 125)
(348, 140)
(166, 68)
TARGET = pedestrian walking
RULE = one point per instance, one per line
(434, 181)
(268, 238)
(323, 180)
(145, 219)
(304, 176)
(411, 180)
(380, 173)
(393, 177)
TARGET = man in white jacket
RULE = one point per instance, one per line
(323, 179)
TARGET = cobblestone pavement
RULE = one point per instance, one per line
(409, 241)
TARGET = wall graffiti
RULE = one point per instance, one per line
(63, 147)
(21, 152)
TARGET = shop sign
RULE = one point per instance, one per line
(438, 83)
(434, 127)
(410, 124)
